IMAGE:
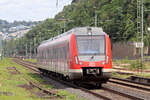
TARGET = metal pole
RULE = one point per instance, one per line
(34, 46)
(57, 3)
(58, 32)
(40, 37)
(95, 19)
(30, 50)
(142, 48)
(26, 50)
(64, 26)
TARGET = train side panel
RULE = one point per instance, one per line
(55, 56)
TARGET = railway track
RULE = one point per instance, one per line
(97, 93)
(147, 59)
(32, 67)
(28, 65)
(129, 83)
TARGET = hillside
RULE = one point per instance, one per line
(6, 26)
(118, 18)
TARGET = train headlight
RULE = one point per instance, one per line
(107, 58)
(89, 33)
(103, 63)
(81, 63)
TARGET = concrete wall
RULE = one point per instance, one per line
(122, 50)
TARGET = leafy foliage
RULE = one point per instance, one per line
(118, 18)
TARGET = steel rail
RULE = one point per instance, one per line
(129, 83)
(26, 64)
(61, 81)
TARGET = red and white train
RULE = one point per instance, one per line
(80, 54)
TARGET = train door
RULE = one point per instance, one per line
(52, 60)
(57, 60)
(67, 58)
(49, 59)
(61, 60)
(64, 59)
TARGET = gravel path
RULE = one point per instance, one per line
(78, 92)
(128, 90)
(111, 95)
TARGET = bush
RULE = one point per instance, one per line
(136, 65)
(126, 60)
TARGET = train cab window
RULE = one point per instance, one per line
(91, 45)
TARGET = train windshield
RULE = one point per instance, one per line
(91, 45)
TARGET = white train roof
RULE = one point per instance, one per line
(78, 31)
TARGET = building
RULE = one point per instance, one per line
(17, 34)
(1, 33)
(131, 50)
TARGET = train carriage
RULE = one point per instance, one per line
(82, 53)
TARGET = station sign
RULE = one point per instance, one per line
(148, 28)
(139, 44)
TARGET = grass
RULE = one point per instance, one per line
(31, 60)
(131, 65)
(146, 75)
(124, 76)
(147, 65)
(9, 83)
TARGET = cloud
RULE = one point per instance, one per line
(30, 9)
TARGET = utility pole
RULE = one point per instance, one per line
(142, 41)
(95, 19)
(30, 50)
(64, 26)
(140, 13)
(34, 46)
(64, 20)
(57, 3)
(58, 32)
(26, 49)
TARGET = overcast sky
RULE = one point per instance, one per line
(30, 10)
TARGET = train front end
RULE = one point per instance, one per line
(91, 54)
